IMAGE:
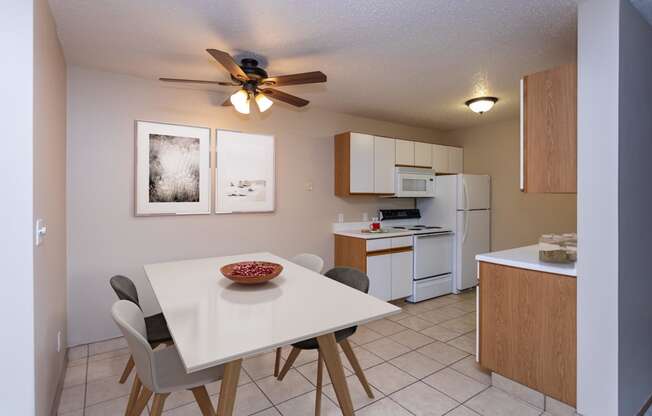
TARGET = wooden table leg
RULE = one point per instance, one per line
(328, 348)
(226, 402)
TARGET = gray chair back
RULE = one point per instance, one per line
(129, 318)
(309, 261)
(351, 277)
(125, 288)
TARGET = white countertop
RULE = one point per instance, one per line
(527, 258)
(213, 320)
(370, 236)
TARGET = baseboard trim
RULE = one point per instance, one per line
(62, 377)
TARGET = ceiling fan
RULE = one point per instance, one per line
(254, 82)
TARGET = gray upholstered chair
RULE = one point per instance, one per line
(159, 372)
(357, 280)
(309, 261)
(157, 329)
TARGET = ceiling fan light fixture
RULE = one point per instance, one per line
(263, 102)
(481, 105)
(240, 100)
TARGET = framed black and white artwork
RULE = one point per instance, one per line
(172, 169)
(244, 173)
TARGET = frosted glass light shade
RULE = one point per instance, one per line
(263, 102)
(240, 100)
(481, 104)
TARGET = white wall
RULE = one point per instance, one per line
(16, 298)
(635, 200)
(104, 238)
(597, 208)
(49, 204)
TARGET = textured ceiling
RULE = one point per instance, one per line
(408, 61)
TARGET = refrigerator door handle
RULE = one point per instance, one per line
(466, 194)
(466, 227)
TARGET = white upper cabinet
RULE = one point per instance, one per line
(447, 159)
(456, 160)
(422, 155)
(440, 159)
(384, 160)
(362, 163)
(404, 152)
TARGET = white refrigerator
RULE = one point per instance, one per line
(463, 204)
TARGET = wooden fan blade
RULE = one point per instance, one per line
(296, 79)
(197, 81)
(285, 97)
(229, 63)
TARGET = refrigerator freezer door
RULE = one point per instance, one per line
(474, 233)
(473, 192)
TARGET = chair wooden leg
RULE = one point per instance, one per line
(127, 370)
(328, 348)
(350, 355)
(277, 361)
(143, 398)
(288, 364)
(320, 379)
(226, 402)
(133, 396)
(158, 403)
(203, 401)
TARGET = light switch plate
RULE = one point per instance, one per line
(40, 231)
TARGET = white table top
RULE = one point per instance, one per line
(213, 320)
(527, 258)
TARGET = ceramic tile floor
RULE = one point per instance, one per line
(419, 363)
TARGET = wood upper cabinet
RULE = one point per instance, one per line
(404, 153)
(364, 164)
(423, 155)
(549, 131)
(528, 328)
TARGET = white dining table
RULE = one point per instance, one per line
(214, 321)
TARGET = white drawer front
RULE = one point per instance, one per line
(379, 244)
(402, 242)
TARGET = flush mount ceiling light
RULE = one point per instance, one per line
(481, 104)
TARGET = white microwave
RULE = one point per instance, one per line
(414, 182)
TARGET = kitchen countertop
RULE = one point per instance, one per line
(371, 236)
(527, 258)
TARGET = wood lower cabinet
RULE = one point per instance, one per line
(528, 328)
(387, 262)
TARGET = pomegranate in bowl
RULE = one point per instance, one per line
(251, 272)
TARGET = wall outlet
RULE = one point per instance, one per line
(365, 217)
(340, 218)
(59, 341)
(309, 186)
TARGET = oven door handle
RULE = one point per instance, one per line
(433, 234)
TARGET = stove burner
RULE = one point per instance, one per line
(399, 228)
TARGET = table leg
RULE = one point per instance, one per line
(226, 401)
(328, 349)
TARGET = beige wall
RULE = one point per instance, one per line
(517, 218)
(104, 236)
(49, 204)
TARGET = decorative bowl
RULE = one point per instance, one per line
(251, 272)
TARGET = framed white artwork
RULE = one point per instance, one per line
(172, 169)
(244, 172)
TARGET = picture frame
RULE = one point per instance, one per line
(245, 172)
(173, 172)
